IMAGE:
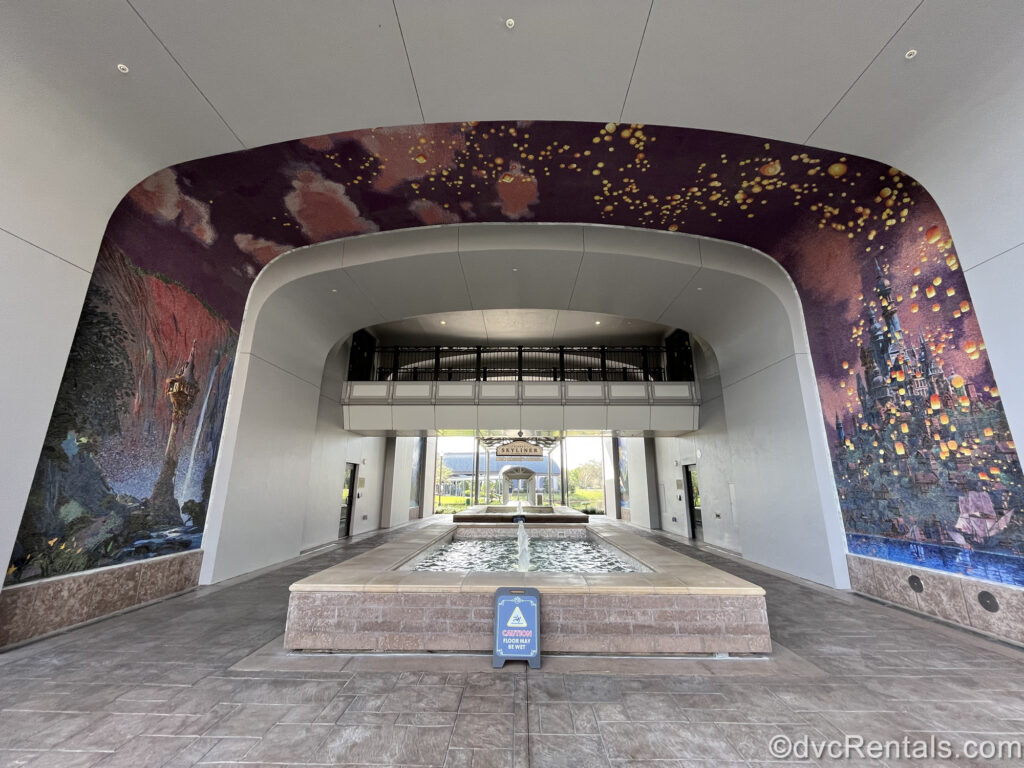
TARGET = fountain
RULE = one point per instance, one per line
(620, 594)
(524, 547)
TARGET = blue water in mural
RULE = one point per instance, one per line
(991, 566)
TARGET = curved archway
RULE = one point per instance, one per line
(284, 413)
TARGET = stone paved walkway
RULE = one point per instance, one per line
(201, 680)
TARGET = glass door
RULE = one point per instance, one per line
(348, 500)
(693, 502)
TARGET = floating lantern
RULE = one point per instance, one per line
(933, 234)
(957, 381)
(900, 449)
(935, 401)
(837, 170)
(904, 428)
(965, 307)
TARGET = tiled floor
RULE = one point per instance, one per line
(201, 680)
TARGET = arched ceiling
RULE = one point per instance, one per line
(206, 78)
(519, 326)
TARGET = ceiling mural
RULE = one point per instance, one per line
(924, 462)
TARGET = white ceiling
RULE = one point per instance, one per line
(741, 301)
(520, 326)
(210, 77)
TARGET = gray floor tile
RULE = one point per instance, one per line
(203, 679)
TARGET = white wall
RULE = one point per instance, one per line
(611, 489)
(261, 480)
(398, 481)
(710, 450)
(333, 448)
(636, 462)
(671, 467)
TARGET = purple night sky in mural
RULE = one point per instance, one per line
(924, 462)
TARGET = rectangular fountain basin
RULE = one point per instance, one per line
(377, 602)
(532, 514)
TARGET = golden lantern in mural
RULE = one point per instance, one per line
(935, 401)
(900, 448)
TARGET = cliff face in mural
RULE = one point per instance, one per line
(924, 461)
(92, 501)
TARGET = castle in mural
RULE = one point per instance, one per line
(926, 471)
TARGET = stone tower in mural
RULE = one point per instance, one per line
(182, 389)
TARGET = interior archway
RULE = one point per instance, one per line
(284, 426)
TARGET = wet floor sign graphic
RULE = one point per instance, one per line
(516, 625)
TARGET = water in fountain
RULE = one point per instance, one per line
(524, 548)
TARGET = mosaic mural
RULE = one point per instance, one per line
(925, 465)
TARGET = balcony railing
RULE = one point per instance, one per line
(520, 363)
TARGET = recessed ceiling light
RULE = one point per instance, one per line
(444, 322)
(597, 322)
(699, 288)
(510, 23)
(122, 68)
(515, 269)
(334, 290)
(910, 54)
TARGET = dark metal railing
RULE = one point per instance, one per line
(520, 363)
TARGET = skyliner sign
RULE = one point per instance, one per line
(518, 449)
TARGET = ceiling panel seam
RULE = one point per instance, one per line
(186, 74)
(994, 256)
(412, 74)
(579, 267)
(364, 292)
(359, 290)
(40, 248)
(857, 79)
(790, 356)
(283, 370)
(462, 269)
(678, 295)
(639, 47)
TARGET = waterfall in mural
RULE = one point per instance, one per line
(193, 488)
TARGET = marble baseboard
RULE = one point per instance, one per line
(956, 599)
(29, 611)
